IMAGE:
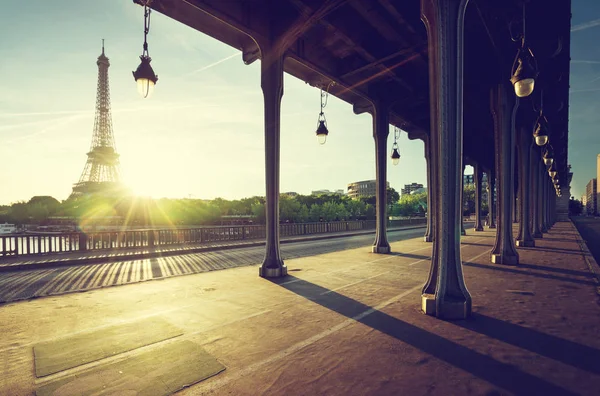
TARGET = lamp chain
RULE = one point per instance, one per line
(146, 27)
(396, 136)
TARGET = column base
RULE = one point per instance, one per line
(428, 238)
(463, 232)
(537, 236)
(277, 272)
(380, 249)
(492, 227)
(428, 304)
(451, 310)
(504, 259)
(523, 243)
(480, 228)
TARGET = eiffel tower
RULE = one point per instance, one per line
(101, 173)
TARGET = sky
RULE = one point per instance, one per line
(201, 134)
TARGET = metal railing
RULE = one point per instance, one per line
(39, 244)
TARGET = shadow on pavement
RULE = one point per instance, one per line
(567, 352)
(520, 272)
(499, 374)
(414, 256)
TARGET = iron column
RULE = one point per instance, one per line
(271, 79)
(524, 145)
(504, 251)
(478, 179)
(445, 294)
(381, 130)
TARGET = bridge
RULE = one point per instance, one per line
(508, 308)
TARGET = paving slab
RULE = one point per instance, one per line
(349, 323)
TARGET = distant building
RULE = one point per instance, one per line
(418, 191)
(408, 188)
(591, 200)
(583, 203)
(290, 194)
(366, 188)
(468, 179)
(321, 192)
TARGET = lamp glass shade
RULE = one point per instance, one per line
(548, 161)
(541, 140)
(524, 87)
(145, 77)
(322, 132)
(552, 173)
(145, 87)
(395, 156)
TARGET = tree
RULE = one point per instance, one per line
(468, 199)
(392, 196)
(575, 207)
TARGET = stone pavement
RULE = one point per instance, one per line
(349, 323)
(13, 263)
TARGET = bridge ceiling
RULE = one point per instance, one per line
(378, 48)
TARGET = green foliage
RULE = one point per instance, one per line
(134, 211)
(410, 205)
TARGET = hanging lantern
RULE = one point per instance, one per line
(524, 69)
(548, 155)
(395, 156)
(540, 132)
(322, 130)
(524, 72)
(144, 75)
(552, 170)
(395, 149)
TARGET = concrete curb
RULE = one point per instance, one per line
(175, 252)
(589, 260)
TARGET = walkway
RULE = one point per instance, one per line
(74, 276)
(344, 323)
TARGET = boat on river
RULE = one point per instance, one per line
(7, 228)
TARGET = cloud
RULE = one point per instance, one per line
(594, 80)
(54, 125)
(585, 25)
(44, 113)
(212, 64)
(584, 90)
(583, 61)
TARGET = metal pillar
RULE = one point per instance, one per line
(504, 251)
(542, 196)
(524, 146)
(428, 163)
(492, 187)
(515, 206)
(381, 130)
(271, 69)
(445, 294)
(462, 201)
(547, 211)
(535, 192)
(478, 179)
